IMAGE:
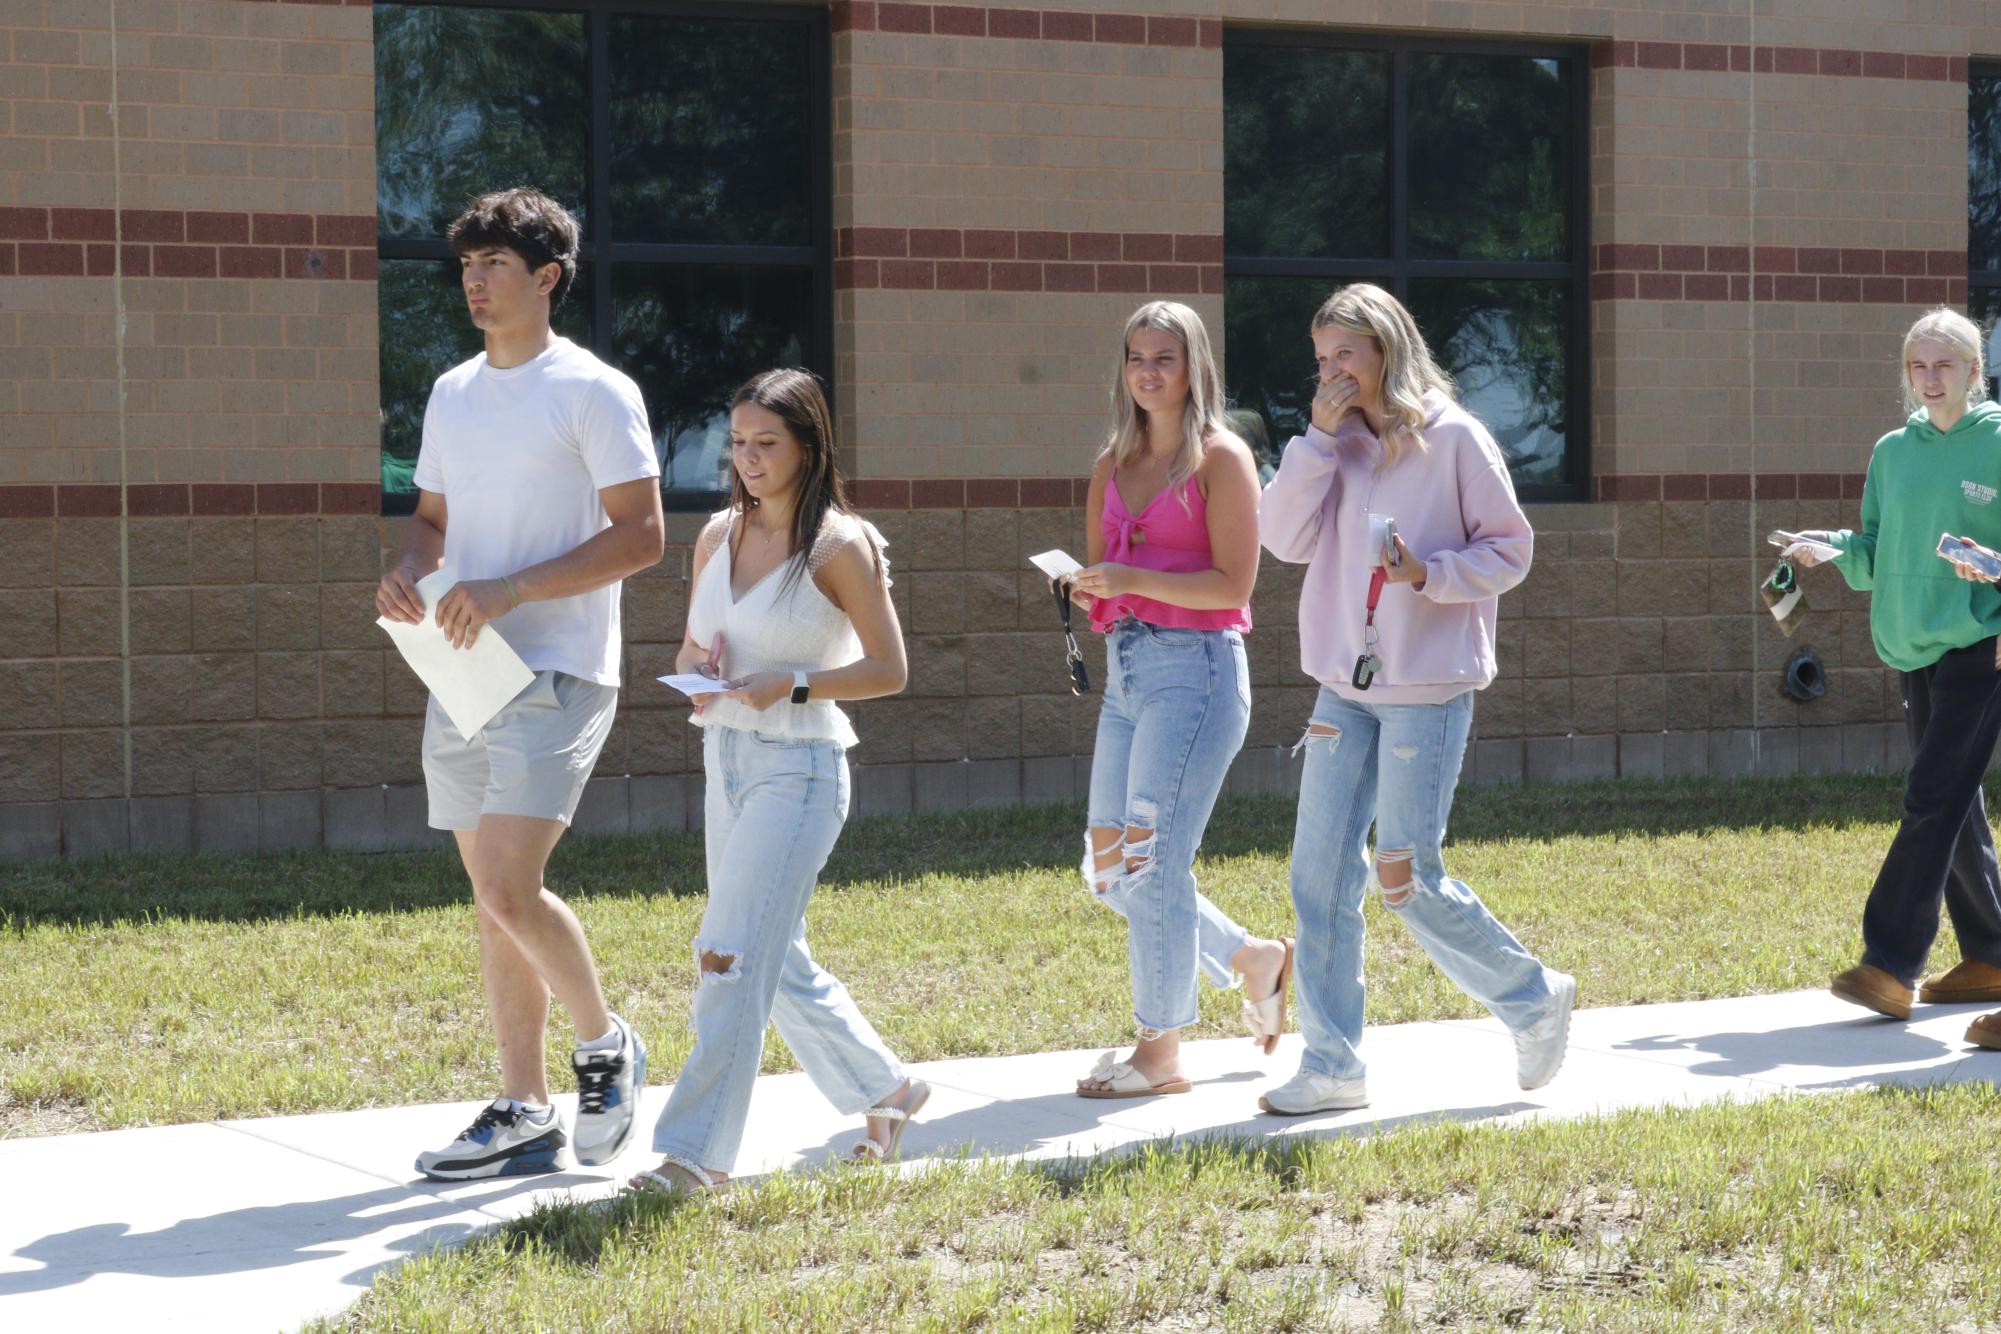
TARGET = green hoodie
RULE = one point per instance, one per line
(1924, 482)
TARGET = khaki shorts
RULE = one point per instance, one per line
(533, 758)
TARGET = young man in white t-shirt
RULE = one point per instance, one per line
(538, 484)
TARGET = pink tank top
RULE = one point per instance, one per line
(1164, 537)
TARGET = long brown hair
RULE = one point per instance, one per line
(795, 397)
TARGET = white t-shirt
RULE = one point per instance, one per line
(520, 456)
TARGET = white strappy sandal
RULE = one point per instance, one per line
(676, 1176)
(1266, 1018)
(867, 1150)
(1127, 1082)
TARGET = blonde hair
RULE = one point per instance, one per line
(1201, 415)
(1960, 334)
(1408, 368)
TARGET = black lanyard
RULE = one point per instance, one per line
(1080, 680)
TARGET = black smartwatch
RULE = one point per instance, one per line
(800, 690)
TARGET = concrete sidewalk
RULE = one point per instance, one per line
(260, 1225)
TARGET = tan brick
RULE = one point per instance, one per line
(224, 551)
(87, 552)
(289, 756)
(160, 620)
(225, 759)
(287, 550)
(163, 761)
(30, 618)
(223, 619)
(30, 694)
(89, 622)
(288, 685)
(30, 766)
(353, 684)
(93, 764)
(348, 615)
(288, 616)
(225, 687)
(162, 689)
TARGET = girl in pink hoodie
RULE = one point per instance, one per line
(1397, 624)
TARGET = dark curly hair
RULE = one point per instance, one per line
(529, 223)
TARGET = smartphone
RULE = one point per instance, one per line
(1383, 537)
(1974, 557)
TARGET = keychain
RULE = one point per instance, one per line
(1369, 663)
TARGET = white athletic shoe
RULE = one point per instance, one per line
(1307, 1092)
(502, 1141)
(608, 1085)
(1539, 1048)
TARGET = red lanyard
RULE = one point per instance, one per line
(1369, 664)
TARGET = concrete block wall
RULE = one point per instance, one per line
(189, 513)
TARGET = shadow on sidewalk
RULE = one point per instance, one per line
(1862, 1041)
(262, 1237)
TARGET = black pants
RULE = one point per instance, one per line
(1943, 849)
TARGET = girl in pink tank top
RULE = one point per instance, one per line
(1172, 541)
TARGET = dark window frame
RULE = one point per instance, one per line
(597, 245)
(1981, 69)
(1395, 273)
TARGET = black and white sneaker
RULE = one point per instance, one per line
(608, 1085)
(502, 1141)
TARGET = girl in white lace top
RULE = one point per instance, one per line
(790, 598)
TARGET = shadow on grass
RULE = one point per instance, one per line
(141, 886)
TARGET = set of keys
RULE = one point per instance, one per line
(1369, 663)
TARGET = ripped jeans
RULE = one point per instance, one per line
(773, 810)
(1395, 766)
(1177, 705)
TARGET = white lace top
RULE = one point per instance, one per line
(780, 624)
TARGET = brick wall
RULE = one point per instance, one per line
(188, 404)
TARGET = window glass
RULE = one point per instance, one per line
(1480, 249)
(1506, 347)
(425, 331)
(1489, 158)
(690, 334)
(1311, 128)
(711, 131)
(472, 100)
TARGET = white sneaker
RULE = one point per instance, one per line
(502, 1141)
(1307, 1092)
(608, 1085)
(1539, 1048)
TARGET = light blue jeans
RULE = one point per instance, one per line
(1395, 766)
(773, 810)
(1177, 704)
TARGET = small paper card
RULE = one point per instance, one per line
(1791, 544)
(1057, 564)
(692, 684)
(470, 684)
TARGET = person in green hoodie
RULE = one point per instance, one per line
(1937, 623)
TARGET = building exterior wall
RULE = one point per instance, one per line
(189, 525)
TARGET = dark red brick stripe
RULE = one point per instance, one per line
(1631, 487)
(1047, 25)
(1830, 61)
(1065, 492)
(72, 500)
(164, 243)
(949, 259)
(1624, 272)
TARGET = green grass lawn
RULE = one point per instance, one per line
(145, 989)
(1844, 1212)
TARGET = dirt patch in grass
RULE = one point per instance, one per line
(24, 1120)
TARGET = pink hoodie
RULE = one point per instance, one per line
(1454, 507)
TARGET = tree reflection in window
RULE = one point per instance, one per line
(692, 147)
(1474, 225)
